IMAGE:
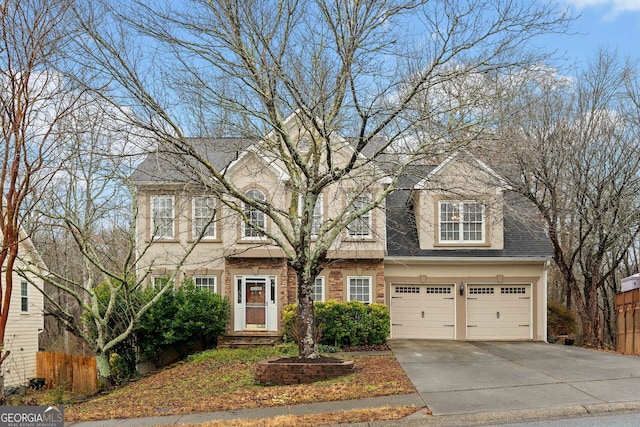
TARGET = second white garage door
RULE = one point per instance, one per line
(423, 311)
(500, 312)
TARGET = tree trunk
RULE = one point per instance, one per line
(306, 321)
(104, 369)
(587, 309)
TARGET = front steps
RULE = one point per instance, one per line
(248, 339)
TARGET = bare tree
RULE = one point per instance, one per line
(34, 100)
(361, 69)
(87, 213)
(574, 145)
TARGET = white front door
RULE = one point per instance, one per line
(255, 303)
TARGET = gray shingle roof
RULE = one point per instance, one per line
(168, 165)
(523, 235)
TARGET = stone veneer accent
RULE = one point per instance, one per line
(270, 373)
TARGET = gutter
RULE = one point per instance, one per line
(431, 259)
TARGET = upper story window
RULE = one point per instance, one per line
(461, 222)
(203, 217)
(361, 226)
(162, 217)
(256, 217)
(317, 214)
(24, 297)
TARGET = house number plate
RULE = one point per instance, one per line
(256, 288)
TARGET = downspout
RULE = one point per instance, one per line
(545, 274)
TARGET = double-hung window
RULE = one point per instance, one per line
(162, 217)
(24, 297)
(317, 292)
(359, 289)
(317, 214)
(255, 218)
(203, 217)
(361, 226)
(205, 282)
(461, 222)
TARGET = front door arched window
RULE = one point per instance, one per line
(256, 219)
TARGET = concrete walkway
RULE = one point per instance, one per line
(460, 378)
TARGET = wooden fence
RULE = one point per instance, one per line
(75, 373)
(628, 322)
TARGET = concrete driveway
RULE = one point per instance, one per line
(457, 377)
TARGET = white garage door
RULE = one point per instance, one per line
(423, 311)
(499, 312)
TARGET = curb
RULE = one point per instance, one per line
(481, 418)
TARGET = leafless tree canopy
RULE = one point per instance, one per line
(377, 72)
(573, 143)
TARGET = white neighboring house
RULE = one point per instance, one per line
(26, 318)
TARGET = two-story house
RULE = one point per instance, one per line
(453, 254)
(232, 257)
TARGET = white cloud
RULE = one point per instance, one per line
(613, 7)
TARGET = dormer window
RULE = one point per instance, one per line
(461, 222)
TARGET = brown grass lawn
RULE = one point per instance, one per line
(222, 380)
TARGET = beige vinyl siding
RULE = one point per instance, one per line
(21, 335)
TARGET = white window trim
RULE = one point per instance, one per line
(173, 218)
(460, 222)
(367, 216)
(195, 234)
(24, 297)
(322, 297)
(156, 277)
(246, 226)
(315, 224)
(369, 278)
(207, 277)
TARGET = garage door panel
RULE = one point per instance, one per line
(422, 311)
(498, 312)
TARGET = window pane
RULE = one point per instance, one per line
(204, 209)
(317, 216)
(162, 216)
(205, 282)
(256, 217)
(461, 221)
(361, 226)
(317, 293)
(360, 289)
(24, 296)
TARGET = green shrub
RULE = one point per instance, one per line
(182, 319)
(343, 323)
(560, 320)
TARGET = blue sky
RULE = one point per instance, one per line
(612, 24)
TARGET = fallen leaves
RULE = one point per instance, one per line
(207, 386)
(353, 416)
